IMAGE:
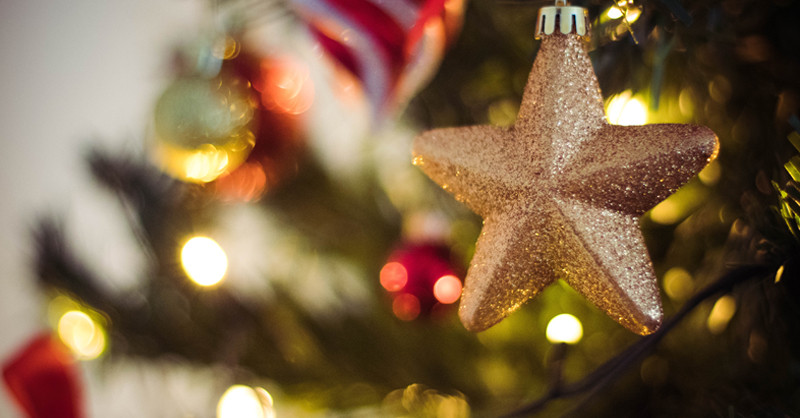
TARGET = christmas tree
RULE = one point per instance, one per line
(295, 253)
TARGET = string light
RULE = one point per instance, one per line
(614, 12)
(447, 289)
(241, 401)
(393, 276)
(624, 8)
(564, 328)
(82, 334)
(406, 306)
(721, 314)
(678, 284)
(625, 109)
(286, 86)
(204, 261)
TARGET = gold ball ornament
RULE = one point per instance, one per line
(202, 127)
(561, 191)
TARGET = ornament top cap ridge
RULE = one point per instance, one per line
(562, 18)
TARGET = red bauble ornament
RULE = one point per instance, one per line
(42, 379)
(421, 279)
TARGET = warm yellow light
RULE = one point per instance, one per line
(614, 12)
(624, 8)
(204, 261)
(678, 284)
(721, 314)
(241, 401)
(711, 174)
(632, 14)
(667, 212)
(206, 162)
(85, 337)
(564, 328)
(624, 109)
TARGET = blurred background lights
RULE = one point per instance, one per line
(721, 314)
(678, 284)
(667, 212)
(287, 86)
(614, 12)
(624, 8)
(625, 109)
(83, 335)
(393, 276)
(406, 307)
(564, 328)
(447, 289)
(241, 401)
(204, 261)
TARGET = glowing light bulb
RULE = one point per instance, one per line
(624, 109)
(204, 261)
(406, 307)
(447, 289)
(721, 314)
(633, 14)
(678, 284)
(564, 328)
(624, 8)
(614, 12)
(287, 86)
(393, 276)
(241, 401)
(84, 337)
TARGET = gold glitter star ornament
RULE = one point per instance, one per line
(561, 191)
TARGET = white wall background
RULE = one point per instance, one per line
(72, 73)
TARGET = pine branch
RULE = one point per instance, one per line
(56, 266)
(615, 367)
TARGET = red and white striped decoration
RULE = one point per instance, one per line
(392, 47)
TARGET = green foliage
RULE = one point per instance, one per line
(735, 61)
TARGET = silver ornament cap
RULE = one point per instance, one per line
(562, 18)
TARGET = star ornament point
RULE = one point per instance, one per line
(561, 192)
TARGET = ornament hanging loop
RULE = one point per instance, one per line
(566, 19)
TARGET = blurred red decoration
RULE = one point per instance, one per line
(43, 380)
(392, 47)
(421, 280)
(286, 92)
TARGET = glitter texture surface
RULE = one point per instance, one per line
(560, 193)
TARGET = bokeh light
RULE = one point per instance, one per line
(614, 12)
(393, 276)
(624, 8)
(678, 284)
(447, 289)
(406, 307)
(667, 212)
(625, 109)
(241, 401)
(286, 86)
(418, 400)
(83, 335)
(246, 183)
(721, 314)
(564, 328)
(204, 261)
